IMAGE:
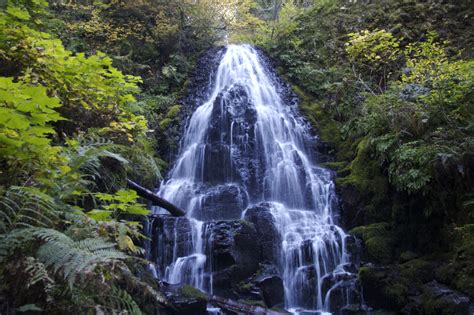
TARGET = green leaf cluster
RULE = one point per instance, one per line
(26, 117)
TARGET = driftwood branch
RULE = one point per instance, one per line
(155, 199)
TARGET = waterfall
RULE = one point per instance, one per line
(246, 146)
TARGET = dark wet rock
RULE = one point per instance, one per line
(353, 309)
(354, 248)
(265, 285)
(222, 202)
(269, 237)
(235, 254)
(170, 234)
(439, 299)
(383, 288)
(272, 290)
(198, 90)
(233, 145)
(270, 285)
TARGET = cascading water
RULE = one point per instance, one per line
(244, 144)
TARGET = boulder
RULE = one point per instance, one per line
(269, 238)
(184, 300)
(383, 288)
(222, 202)
(272, 290)
(235, 255)
(439, 299)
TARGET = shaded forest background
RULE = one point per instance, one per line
(90, 95)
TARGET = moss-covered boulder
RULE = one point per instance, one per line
(459, 271)
(377, 242)
(383, 288)
(417, 271)
(185, 299)
(193, 293)
(439, 299)
(363, 188)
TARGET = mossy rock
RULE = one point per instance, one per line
(417, 271)
(193, 293)
(362, 185)
(254, 302)
(459, 272)
(365, 172)
(383, 287)
(377, 241)
(407, 256)
(439, 299)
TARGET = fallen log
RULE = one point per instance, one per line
(155, 199)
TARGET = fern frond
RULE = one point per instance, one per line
(26, 207)
(75, 258)
(119, 300)
(85, 155)
(37, 273)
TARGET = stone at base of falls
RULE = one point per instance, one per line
(184, 300)
(265, 285)
(235, 255)
(271, 288)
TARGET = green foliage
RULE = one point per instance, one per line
(26, 207)
(374, 53)
(74, 258)
(68, 130)
(97, 98)
(119, 300)
(26, 114)
(122, 203)
(373, 49)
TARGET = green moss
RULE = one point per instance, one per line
(378, 241)
(253, 302)
(165, 123)
(397, 293)
(365, 172)
(245, 285)
(407, 256)
(417, 271)
(173, 111)
(383, 288)
(335, 165)
(434, 305)
(366, 177)
(326, 128)
(191, 292)
(462, 266)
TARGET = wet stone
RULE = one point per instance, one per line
(222, 202)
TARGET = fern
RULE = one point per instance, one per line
(37, 273)
(75, 258)
(84, 154)
(26, 207)
(120, 300)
